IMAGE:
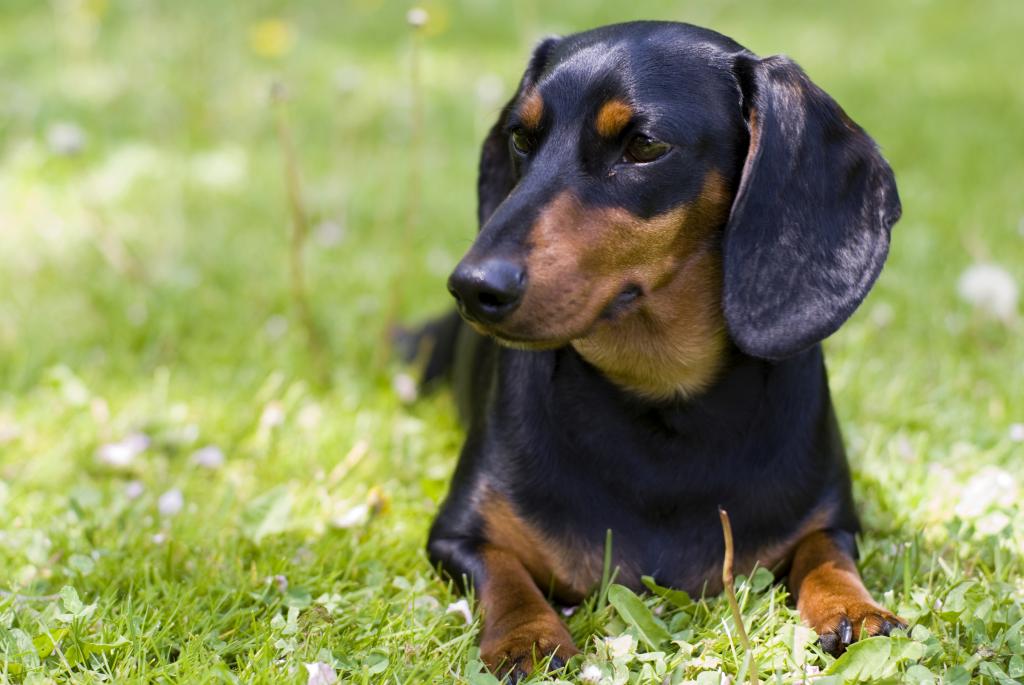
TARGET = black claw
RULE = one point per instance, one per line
(887, 627)
(845, 631)
(556, 663)
(515, 675)
(830, 643)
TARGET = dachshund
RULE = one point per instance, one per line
(669, 227)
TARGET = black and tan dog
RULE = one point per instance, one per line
(669, 228)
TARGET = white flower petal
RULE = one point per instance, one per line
(993, 524)
(320, 674)
(991, 487)
(134, 489)
(122, 454)
(460, 607)
(590, 673)
(621, 646)
(417, 17)
(991, 289)
(209, 457)
(350, 518)
(273, 415)
(405, 388)
(1017, 432)
(171, 502)
(65, 138)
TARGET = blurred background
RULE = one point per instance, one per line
(168, 421)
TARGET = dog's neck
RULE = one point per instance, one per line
(675, 344)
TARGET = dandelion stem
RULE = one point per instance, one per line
(730, 593)
(315, 344)
(413, 187)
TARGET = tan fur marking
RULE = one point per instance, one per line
(755, 142)
(531, 109)
(675, 343)
(612, 118)
(570, 573)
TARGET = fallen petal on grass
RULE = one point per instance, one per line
(991, 289)
(991, 487)
(171, 502)
(1017, 432)
(320, 674)
(122, 454)
(350, 518)
(133, 489)
(460, 608)
(417, 17)
(272, 415)
(590, 673)
(620, 647)
(209, 457)
(65, 138)
(405, 388)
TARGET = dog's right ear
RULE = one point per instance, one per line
(497, 177)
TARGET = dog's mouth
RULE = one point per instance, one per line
(625, 302)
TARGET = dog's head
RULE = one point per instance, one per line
(651, 166)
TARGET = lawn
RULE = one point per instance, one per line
(188, 494)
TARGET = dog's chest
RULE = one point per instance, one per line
(583, 462)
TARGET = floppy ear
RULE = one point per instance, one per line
(809, 228)
(497, 177)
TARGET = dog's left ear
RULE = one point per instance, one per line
(809, 228)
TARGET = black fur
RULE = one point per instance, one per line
(806, 237)
(809, 230)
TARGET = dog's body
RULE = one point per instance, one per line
(670, 226)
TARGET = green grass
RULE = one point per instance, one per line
(143, 289)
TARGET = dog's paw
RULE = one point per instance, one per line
(516, 654)
(839, 628)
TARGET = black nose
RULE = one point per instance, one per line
(489, 290)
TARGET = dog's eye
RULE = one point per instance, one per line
(522, 142)
(643, 149)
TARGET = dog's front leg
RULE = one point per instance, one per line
(520, 628)
(830, 594)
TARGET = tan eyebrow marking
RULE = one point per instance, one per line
(612, 118)
(531, 109)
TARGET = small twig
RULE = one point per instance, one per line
(730, 593)
(417, 19)
(355, 455)
(297, 239)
